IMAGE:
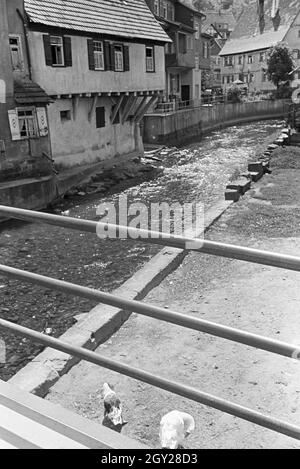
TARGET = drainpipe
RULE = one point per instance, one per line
(26, 43)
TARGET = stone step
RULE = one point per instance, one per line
(232, 194)
(255, 166)
(295, 138)
(266, 167)
(241, 185)
(256, 175)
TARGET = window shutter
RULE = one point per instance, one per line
(14, 124)
(42, 121)
(112, 57)
(126, 58)
(68, 51)
(47, 49)
(90, 46)
(107, 55)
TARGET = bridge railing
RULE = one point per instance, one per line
(216, 329)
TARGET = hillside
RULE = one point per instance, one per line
(204, 5)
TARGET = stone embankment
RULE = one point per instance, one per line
(256, 169)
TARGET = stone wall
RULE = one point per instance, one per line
(33, 194)
(189, 124)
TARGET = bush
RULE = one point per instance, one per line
(283, 92)
(234, 94)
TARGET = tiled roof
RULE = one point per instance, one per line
(126, 18)
(28, 92)
(246, 36)
(221, 16)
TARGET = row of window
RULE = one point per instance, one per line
(246, 78)
(227, 79)
(31, 122)
(99, 116)
(102, 55)
(230, 60)
(250, 58)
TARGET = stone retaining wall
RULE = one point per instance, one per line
(181, 126)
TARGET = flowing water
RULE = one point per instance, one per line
(198, 172)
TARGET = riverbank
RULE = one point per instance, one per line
(263, 300)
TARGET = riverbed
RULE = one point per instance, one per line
(195, 173)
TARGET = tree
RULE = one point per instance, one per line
(280, 64)
(207, 79)
(234, 94)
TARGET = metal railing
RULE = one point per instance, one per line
(236, 335)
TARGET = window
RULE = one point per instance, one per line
(164, 10)
(250, 59)
(98, 55)
(65, 116)
(296, 54)
(262, 56)
(182, 43)
(189, 42)
(100, 117)
(174, 83)
(205, 50)
(197, 33)
(2, 148)
(16, 53)
(119, 60)
(172, 13)
(156, 7)
(240, 60)
(197, 62)
(57, 50)
(228, 60)
(27, 123)
(170, 48)
(149, 59)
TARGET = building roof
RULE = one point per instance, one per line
(220, 16)
(126, 18)
(247, 37)
(28, 92)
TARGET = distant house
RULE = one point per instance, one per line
(262, 24)
(182, 22)
(24, 137)
(103, 64)
(215, 61)
(219, 23)
(217, 26)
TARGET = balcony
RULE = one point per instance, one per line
(181, 60)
